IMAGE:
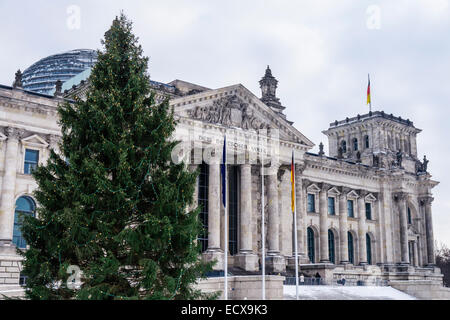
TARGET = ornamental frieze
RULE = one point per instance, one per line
(229, 111)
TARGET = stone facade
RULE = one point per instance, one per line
(372, 168)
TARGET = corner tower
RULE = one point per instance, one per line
(376, 139)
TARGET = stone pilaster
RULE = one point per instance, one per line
(8, 190)
(401, 198)
(426, 202)
(362, 228)
(323, 210)
(246, 259)
(214, 252)
(343, 226)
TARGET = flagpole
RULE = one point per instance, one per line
(370, 95)
(263, 241)
(226, 219)
(295, 229)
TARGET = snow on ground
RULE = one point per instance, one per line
(345, 293)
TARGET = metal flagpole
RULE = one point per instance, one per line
(263, 241)
(370, 94)
(224, 192)
(295, 229)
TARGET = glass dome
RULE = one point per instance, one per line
(42, 76)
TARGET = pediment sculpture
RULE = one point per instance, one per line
(230, 111)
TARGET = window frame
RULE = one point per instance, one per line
(355, 144)
(312, 196)
(352, 201)
(25, 161)
(368, 205)
(333, 201)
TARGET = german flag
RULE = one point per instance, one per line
(368, 91)
(293, 183)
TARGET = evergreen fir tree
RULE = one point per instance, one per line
(113, 203)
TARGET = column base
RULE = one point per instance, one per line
(302, 259)
(275, 263)
(214, 255)
(247, 261)
(7, 248)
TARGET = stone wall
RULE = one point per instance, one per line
(244, 287)
(424, 289)
(10, 266)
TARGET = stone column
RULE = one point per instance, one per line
(275, 260)
(214, 252)
(386, 220)
(426, 202)
(343, 226)
(362, 228)
(401, 199)
(7, 204)
(246, 259)
(416, 254)
(301, 215)
(192, 168)
(323, 210)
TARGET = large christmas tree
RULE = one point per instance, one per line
(113, 204)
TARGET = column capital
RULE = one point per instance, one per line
(306, 183)
(426, 200)
(362, 193)
(324, 187)
(400, 196)
(299, 168)
(344, 190)
(14, 133)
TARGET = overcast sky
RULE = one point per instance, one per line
(320, 52)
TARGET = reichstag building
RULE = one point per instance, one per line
(364, 208)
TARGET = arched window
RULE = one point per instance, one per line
(409, 216)
(311, 251)
(355, 144)
(351, 254)
(203, 179)
(366, 141)
(369, 249)
(24, 206)
(344, 146)
(331, 248)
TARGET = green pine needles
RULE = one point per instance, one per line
(114, 205)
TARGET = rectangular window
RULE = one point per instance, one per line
(350, 212)
(31, 160)
(311, 203)
(331, 210)
(368, 211)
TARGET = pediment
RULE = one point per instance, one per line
(35, 141)
(334, 191)
(313, 188)
(370, 198)
(352, 194)
(236, 107)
